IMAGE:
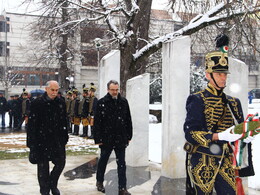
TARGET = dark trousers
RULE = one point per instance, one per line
(49, 180)
(121, 166)
(16, 120)
(3, 119)
(11, 119)
(204, 167)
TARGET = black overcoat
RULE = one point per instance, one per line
(47, 132)
(113, 123)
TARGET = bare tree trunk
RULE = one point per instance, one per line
(64, 71)
(129, 67)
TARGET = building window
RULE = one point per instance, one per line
(4, 25)
(2, 48)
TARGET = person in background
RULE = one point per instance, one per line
(3, 109)
(75, 111)
(60, 95)
(84, 111)
(25, 110)
(68, 101)
(47, 136)
(250, 97)
(10, 104)
(112, 131)
(92, 107)
(16, 111)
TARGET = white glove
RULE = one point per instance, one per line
(228, 136)
(249, 139)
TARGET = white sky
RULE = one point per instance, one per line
(14, 5)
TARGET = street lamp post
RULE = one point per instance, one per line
(98, 45)
(5, 76)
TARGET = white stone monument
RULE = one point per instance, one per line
(109, 70)
(137, 94)
(237, 82)
(175, 90)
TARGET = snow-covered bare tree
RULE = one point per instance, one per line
(57, 37)
(132, 33)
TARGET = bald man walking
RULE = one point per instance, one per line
(47, 136)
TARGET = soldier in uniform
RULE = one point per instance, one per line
(16, 110)
(92, 107)
(11, 111)
(207, 129)
(25, 108)
(68, 101)
(84, 112)
(75, 111)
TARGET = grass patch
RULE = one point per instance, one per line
(4, 155)
(13, 155)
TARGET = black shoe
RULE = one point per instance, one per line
(123, 192)
(83, 135)
(17, 129)
(55, 191)
(100, 187)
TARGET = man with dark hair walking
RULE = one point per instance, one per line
(112, 131)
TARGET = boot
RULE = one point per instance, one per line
(76, 130)
(100, 187)
(91, 136)
(123, 192)
(55, 191)
(85, 132)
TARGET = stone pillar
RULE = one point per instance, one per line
(237, 82)
(237, 86)
(109, 70)
(137, 94)
(175, 90)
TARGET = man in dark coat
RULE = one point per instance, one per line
(112, 131)
(3, 108)
(17, 110)
(47, 136)
(10, 104)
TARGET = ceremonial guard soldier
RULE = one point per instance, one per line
(84, 111)
(92, 107)
(211, 116)
(25, 109)
(68, 101)
(75, 111)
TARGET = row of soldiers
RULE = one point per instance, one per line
(81, 110)
(18, 108)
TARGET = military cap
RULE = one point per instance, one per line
(217, 61)
(69, 92)
(85, 89)
(75, 91)
(92, 87)
(24, 92)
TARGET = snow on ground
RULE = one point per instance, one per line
(16, 142)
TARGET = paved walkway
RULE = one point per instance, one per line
(18, 177)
